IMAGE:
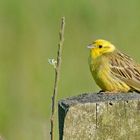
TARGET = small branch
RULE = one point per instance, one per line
(57, 74)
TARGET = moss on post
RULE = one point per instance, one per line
(100, 117)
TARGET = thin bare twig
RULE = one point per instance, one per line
(57, 74)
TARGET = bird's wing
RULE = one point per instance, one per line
(125, 68)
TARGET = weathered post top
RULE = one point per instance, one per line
(100, 117)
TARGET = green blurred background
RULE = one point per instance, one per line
(29, 36)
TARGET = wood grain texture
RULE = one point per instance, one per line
(100, 117)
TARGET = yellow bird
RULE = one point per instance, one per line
(113, 70)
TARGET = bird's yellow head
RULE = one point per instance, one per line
(100, 47)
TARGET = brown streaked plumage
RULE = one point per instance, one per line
(125, 68)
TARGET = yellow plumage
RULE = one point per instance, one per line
(113, 70)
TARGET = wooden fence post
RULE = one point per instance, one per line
(100, 117)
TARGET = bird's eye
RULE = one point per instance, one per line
(100, 46)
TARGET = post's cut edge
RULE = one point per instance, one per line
(95, 98)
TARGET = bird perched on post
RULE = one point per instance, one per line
(112, 70)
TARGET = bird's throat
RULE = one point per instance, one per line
(94, 53)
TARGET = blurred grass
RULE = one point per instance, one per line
(29, 36)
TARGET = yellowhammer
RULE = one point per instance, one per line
(113, 70)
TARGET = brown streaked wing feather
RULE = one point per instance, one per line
(126, 69)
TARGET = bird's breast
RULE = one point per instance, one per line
(100, 69)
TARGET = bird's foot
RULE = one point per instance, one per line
(101, 92)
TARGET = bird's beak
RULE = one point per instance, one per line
(90, 46)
